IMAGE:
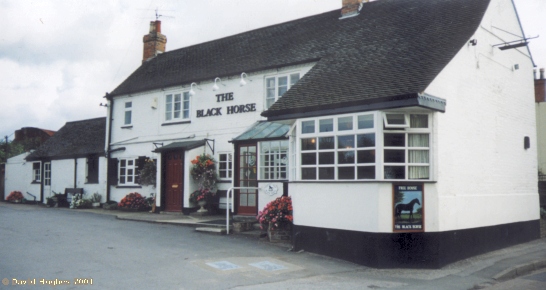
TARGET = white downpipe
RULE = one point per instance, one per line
(231, 204)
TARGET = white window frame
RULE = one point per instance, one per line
(228, 163)
(128, 111)
(390, 125)
(277, 92)
(277, 165)
(36, 172)
(184, 111)
(407, 148)
(47, 173)
(379, 129)
(123, 171)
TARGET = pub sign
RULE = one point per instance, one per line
(408, 207)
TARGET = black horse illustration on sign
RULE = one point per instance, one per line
(405, 207)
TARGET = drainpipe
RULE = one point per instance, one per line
(108, 138)
(75, 172)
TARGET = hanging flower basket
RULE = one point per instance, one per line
(203, 170)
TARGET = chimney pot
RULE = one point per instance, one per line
(542, 73)
(350, 7)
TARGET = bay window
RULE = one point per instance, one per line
(365, 146)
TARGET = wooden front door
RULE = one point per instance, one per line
(246, 169)
(174, 176)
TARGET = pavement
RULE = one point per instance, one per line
(496, 266)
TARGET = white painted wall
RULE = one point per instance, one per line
(484, 175)
(263, 197)
(62, 176)
(19, 177)
(148, 125)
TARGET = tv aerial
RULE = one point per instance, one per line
(157, 15)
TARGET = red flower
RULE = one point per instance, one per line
(14, 195)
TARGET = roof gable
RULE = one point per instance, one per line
(74, 139)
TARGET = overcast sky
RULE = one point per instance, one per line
(59, 58)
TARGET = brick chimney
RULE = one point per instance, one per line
(154, 42)
(350, 8)
(540, 88)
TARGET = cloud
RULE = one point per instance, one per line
(58, 58)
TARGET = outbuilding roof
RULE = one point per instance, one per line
(74, 139)
(391, 51)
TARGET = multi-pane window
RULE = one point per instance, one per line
(360, 147)
(128, 113)
(127, 171)
(225, 165)
(36, 172)
(407, 152)
(276, 86)
(47, 173)
(177, 106)
(342, 148)
(273, 160)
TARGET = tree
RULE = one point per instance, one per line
(10, 149)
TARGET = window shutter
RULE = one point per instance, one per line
(113, 171)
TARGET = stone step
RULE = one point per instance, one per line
(244, 218)
(219, 231)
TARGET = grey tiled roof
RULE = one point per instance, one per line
(74, 139)
(393, 48)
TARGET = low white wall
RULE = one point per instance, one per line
(264, 198)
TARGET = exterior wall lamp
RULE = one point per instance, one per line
(215, 87)
(243, 82)
(192, 92)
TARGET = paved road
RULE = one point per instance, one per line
(41, 243)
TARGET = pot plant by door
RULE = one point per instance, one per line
(203, 170)
(277, 218)
(15, 197)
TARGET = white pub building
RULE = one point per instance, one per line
(403, 130)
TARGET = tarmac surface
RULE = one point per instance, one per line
(508, 268)
(526, 263)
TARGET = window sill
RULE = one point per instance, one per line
(92, 182)
(224, 181)
(176, 123)
(36, 182)
(127, 127)
(128, 186)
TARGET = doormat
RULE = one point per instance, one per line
(217, 222)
